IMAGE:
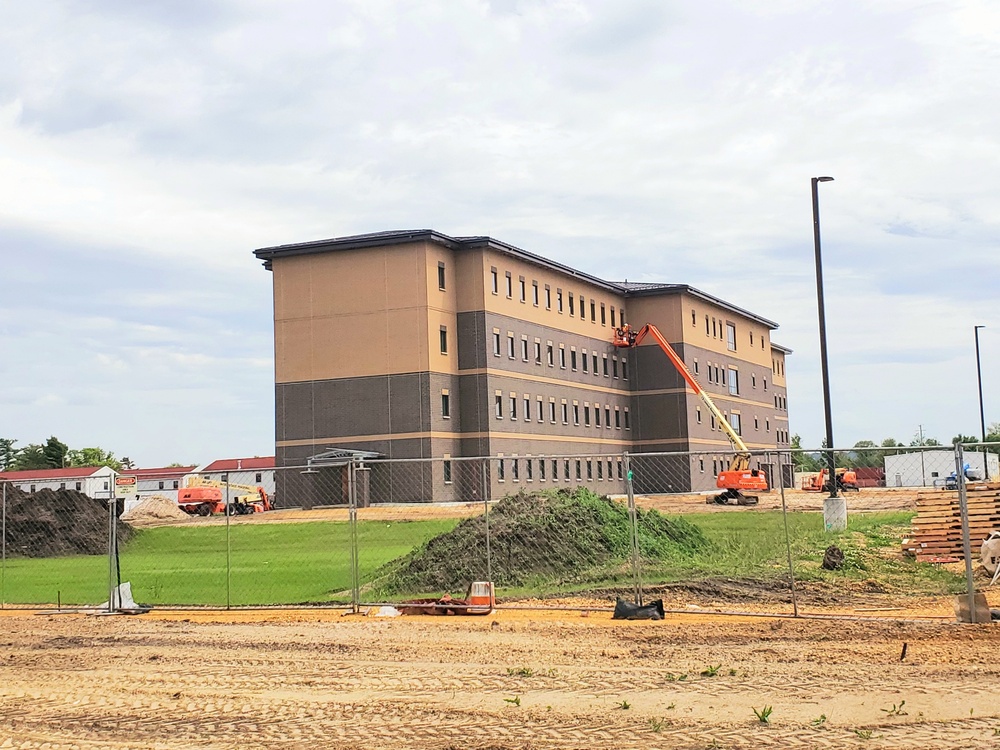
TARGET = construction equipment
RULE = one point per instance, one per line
(206, 497)
(847, 481)
(739, 477)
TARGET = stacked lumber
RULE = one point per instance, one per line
(937, 528)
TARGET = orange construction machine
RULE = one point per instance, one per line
(739, 477)
(206, 497)
(847, 481)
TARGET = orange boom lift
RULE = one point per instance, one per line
(739, 477)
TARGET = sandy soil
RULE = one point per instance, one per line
(508, 680)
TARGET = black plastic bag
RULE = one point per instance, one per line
(628, 611)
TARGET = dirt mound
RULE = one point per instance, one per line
(559, 537)
(54, 523)
(155, 510)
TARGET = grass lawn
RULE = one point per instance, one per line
(271, 564)
(311, 562)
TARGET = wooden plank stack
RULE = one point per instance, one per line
(937, 528)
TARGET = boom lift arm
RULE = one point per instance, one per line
(739, 476)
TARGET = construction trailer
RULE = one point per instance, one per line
(932, 468)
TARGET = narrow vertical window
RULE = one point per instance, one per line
(496, 344)
(440, 275)
(613, 318)
(495, 283)
(731, 336)
(572, 307)
(604, 318)
(520, 282)
(447, 471)
(444, 339)
(593, 311)
(534, 293)
(559, 301)
(445, 405)
(510, 286)
(548, 297)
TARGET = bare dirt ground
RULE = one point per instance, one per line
(508, 680)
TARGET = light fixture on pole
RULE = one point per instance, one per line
(982, 412)
(831, 460)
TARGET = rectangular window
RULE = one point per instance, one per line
(79, 486)
(765, 388)
(734, 381)
(618, 418)
(613, 318)
(572, 359)
(534, 293)
(562, 356)
(565, 416)
(510, 286)
(538, 352)
(621, 316)
(604, 315)
(590, 470)
(624, 369)
(549, 356)
(500, 476)
(583, 308)
(593, 361)
(440, 275)
(609, 469)
(446, 466)
(579, 470)
(559, 303)
(600, 471)
(499, 414)
(444, 340)
(445, 407)
(257, 479)
(513, 407)
(697, 414)
(597, 416)
(510, 345)
(572, 307)
(524, 348)
(586, 416)
(548, 297)
(515, 471)
(528, 470)
(584, 353)
(593, 311)
(731, 336)
(566, 469)
(496, 351)
(552, 411)
(614, 367)
(628, 423)
(494, 281)
(696, 367)
(604, 358)
(753, 379)
(707, 330)
(767, 428)
(520, 283)
(734, 421)
(541, 409)
(607, 417)
(541, 472)
(701, 468)
(527, 408)
(621, 472)
(576, 414)
(176, 484)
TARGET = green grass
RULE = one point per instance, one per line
(310, 562)
(271, 564)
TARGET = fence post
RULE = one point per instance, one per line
(3, 552)
(788, 541)
(352, 505)
(229, 549)
(633, 517)
(112, 541)
(484, 467)
(963, 506)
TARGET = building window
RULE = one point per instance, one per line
(496, 343)
(572, 307)
(541, 409)
(586, 416)
(734, 421)
(440, 275)
(618, 418)
(175, 484)
(510, 286)
(576, 414)
(559, 302)
(79, 486)
(520, 283)
(583, 308)
(500, 476)
(628, 423)
(604, 359)
(538, 352)
(495, 283)
(697, 414)
(579, 472)
(572, 359)
(446, 465)
(734, 381)
(597, 416)
(566, 469)
(445, 405)
(614, 367)
(624, 369)
(767, 425)
(584, 353)
(524, 348)
(696, 367)
(613, 317)
(731, 336)
(765, 384)
(541, 470)
(707, 331)
(694, 318)
(756, 425)
(534, 293)
(604, 319)
(499, 407)
(607, 417)
(549, 354)
(552, 410)
(160, 483)
(593, 311)
(105, 487)
(548, 297)
(527, 408)
(620, 471)
(510, 345)
(753, 379)
(62, 485)
(515, 471)
(621, 316)
(513, 407)
(562, 356)
(600, 471)
(565, 413)
(590, 470)
(528, 470)
(444, 340)
(701, 465)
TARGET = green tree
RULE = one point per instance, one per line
(31, 456)
(864, 455)
(55, 453)
(802, 460)
(8, 454)
(93, 457)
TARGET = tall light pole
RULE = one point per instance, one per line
(831, 460)
(982, 412)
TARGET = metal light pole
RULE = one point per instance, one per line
(831, 460)
(982, 412)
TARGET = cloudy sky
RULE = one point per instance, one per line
(146, 148)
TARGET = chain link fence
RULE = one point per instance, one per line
(898, 531)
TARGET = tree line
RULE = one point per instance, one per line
(55, 454)
(869, 454)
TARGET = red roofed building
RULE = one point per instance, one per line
(164, 480)
(95, 481)
(257, 471)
